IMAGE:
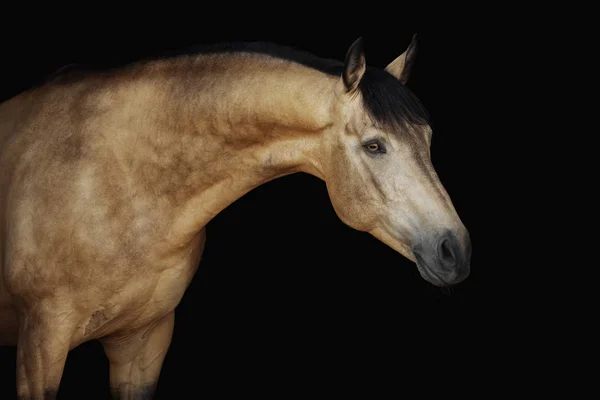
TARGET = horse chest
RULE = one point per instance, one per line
(139, 306)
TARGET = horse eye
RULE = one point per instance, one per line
(374, 147)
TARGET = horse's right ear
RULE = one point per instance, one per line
(354, 65)
(401, 66)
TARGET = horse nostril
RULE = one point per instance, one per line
(446, 253)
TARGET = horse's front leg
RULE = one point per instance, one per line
(136, 359)
(45, 334)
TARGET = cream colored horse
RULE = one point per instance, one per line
(108, 179)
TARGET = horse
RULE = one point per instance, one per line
(108, 179)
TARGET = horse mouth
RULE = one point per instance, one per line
(427, 273)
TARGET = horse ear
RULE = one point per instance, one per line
(354, 65)
(401, 66)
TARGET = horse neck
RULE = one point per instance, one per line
(213, 136)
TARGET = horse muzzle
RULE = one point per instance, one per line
(444, 260)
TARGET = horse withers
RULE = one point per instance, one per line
(108, 179)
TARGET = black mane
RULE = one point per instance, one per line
(389, 103)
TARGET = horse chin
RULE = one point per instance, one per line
(428, 274)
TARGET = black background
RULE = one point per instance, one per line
(288, 299)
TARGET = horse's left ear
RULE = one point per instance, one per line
(401, 66)
(354, 65)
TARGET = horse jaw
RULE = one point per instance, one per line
(397, 245)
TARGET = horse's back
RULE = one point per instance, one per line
(44, 145)
(79, 226)
(26, 134)
(10, 113)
